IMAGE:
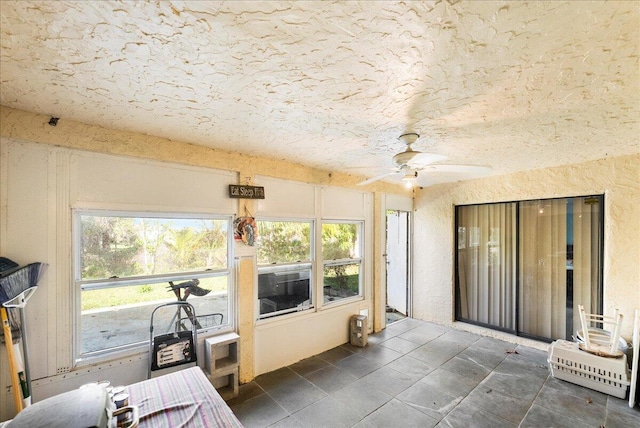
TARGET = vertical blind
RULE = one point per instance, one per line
(543, 268)
(545, 252)
(486, 268)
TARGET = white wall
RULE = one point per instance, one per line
(617, 178)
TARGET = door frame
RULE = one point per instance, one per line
(397, 203)
(403, 248)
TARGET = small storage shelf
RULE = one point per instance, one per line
(222, 359)
(226, 362)
(226, 384)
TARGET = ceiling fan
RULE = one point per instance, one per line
(411, 162)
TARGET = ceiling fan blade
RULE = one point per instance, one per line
(460, 169)
(422, 159)
(376, 178)
(424, 180)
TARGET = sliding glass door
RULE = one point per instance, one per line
(486, 264)
(524, 267)
(543, 268)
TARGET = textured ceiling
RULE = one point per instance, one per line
(512, 85)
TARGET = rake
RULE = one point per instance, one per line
(17, 285)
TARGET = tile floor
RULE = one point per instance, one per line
(418, 374)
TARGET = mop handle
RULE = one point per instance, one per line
(8, 342)
(19, 302)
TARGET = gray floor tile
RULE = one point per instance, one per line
(400, 345)
(437, 354)
(523, 386)
(497, 346)
(446, 342)
(541, 417)
(380, 354)
(327, 413)
(498, 404)
(582, 393)
(358, 366)
(619, 405)
(619, 418)
(402, 326)
(459, 337)
(416, 373)
(484, 355)
(429, 400)
(355, 349)
(396, 413)
(245, 392)
(582, 407)
(288, 422)
(260, 411)
(468, 416)
(308, 365)
(390, 381)
(468, 368)
(276, 378)
(532, 355)
(334, 355)
(331, 378)
(411, 366)
(517, 378)
(515, 366)
(379, 337)
(361, 398)
(454, 384)
(295, 395)
(424, 334)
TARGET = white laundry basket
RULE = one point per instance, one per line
(608, 375)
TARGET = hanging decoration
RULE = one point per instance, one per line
(245, 229)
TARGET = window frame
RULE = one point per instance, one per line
(344, 261)
(80, 285)
(273, 267)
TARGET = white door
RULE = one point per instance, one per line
(398, 260)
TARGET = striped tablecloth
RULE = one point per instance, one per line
(184, 398)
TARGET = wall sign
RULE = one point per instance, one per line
(246, 192)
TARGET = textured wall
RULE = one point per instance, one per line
(618, 178)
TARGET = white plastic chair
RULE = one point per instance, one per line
(602, 340)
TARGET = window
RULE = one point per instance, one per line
(126, 264)
(285, 260)
(524, 267)
(342, 260)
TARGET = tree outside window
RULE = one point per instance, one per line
(341, 255)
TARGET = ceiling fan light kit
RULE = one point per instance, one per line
(409, 162)
(410, 178)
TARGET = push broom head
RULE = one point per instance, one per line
(15, 281)
(17, 284)
(6, 264)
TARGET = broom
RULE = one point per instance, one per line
(17, 285)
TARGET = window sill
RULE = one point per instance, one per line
(286, 316)
(266, 323)
(343, 301)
